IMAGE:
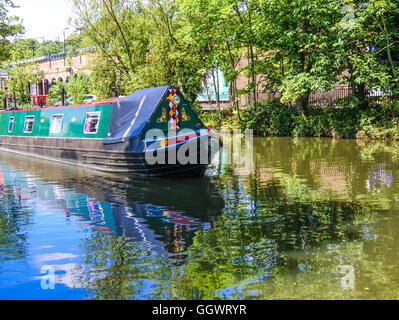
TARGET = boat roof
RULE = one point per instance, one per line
(130, 114)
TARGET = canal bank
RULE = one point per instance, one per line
(347, 118)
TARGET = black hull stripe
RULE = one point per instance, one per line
(156, 170)
(139, 166)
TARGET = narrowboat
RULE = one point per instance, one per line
(151, 132)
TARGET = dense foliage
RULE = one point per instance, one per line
(9, 27)
(33, 48)
(276, 119)
(293, 47)
(76, 89)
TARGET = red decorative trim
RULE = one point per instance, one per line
(96, 103)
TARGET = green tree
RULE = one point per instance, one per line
(22, 73)
(374, 46)
(54, 93)
(21, 76)
(33, 48)
(77, 87)
(168, 50)
(209, 34)
(137, 46)
(9, 27)
(302, 47)
(118, 30)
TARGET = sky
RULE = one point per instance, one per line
(44, 18)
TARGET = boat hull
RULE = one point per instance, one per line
(93, 154)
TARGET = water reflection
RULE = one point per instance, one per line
(316, 219)
(13, 235)
(330, 225)
(115, 216)
(164, 213)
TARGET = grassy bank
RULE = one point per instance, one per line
(349, 119)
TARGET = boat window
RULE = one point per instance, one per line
(28, 126)
(92, 121)
(56, 123)
(11, 124)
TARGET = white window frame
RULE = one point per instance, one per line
(33, 122)
(51, 122)
(11, 120)
(98, 123)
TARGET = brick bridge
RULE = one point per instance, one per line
(58, 68)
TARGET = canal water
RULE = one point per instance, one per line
(313, 219)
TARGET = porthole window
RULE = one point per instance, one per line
(10, 124)
(92, 122)
(28, 126)
(56, 123)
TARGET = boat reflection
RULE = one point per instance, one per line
(156, 211)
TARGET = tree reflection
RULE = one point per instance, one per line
(14, 222)
(271, 241)
(247, 243)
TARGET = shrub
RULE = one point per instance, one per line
(54, 94)
(77, 87)
(269, 119)
(346, 119)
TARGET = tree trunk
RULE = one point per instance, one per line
(360, 93)
(391, 63)
(253, 75)
(216, 88)
(302, 105)
(233, 98)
